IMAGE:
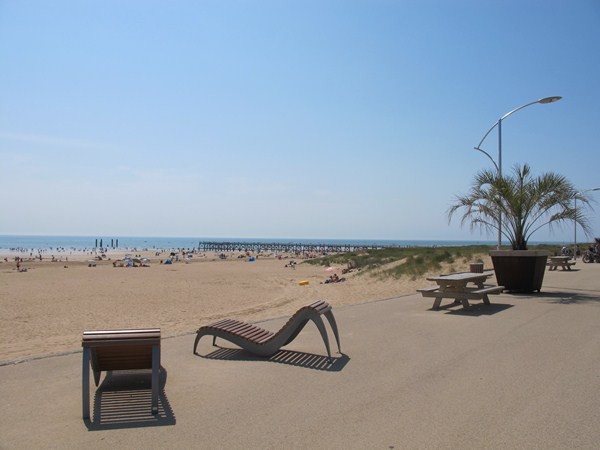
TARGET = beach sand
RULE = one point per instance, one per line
(46, 308)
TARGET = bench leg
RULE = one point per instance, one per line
(486, 299)
(334, 328)
(436, 303)
(155, 377)
(321, 327)
(465, 303)
(85, 383)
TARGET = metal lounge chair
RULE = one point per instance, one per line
(120, 350)
(266, 343)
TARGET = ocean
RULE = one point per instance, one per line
(11, 243)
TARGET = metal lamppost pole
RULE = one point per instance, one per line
(499, 165)
(575, 221)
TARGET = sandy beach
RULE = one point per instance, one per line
(46, 308)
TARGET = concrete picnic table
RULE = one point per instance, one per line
(456, 286)
(563, 261)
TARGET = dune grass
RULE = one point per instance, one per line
(411, 262)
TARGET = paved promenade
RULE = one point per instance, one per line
(522, 373)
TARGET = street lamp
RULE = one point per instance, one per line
(499, 164)
(575, 227)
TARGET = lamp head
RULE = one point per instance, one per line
(549, 99)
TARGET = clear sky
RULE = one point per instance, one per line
(307, 119)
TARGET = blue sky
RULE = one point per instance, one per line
(283, 119)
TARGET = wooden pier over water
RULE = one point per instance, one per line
(283, 247)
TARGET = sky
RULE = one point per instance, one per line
(327, 119)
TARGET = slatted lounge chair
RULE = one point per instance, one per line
(266, 343)
(120, 350)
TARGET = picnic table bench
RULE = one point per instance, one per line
(454, 286)
(562, 261)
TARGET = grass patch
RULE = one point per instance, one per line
(412, 262)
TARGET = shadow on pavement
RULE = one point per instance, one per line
(289, 357)
(124, 400)
(476, 309)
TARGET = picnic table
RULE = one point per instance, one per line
(562, 261)
(456, 286)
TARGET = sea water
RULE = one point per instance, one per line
(11, 243)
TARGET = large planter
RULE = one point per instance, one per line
(520, 270)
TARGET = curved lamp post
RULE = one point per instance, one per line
(499, 164)
(575, 227)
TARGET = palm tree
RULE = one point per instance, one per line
(524, 203)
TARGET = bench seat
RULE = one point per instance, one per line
(107, 350)
(564, 264)
(462, 296)
(470, 293)
(489, 290)
(428, 289)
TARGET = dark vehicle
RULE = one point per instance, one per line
(590, 256)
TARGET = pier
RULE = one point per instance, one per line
(283, 247)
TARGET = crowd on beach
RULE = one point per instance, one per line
(38, 252)
(134, 257)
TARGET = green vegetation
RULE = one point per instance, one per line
(524, 202)
(412, 262)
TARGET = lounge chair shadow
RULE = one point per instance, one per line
(124, 399)
(476, 309)
(289, 357)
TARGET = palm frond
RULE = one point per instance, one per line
(523, 202)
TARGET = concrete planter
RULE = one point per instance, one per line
(520, 270)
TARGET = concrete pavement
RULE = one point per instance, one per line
(523, 373)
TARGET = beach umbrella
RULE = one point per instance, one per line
(126, 262)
